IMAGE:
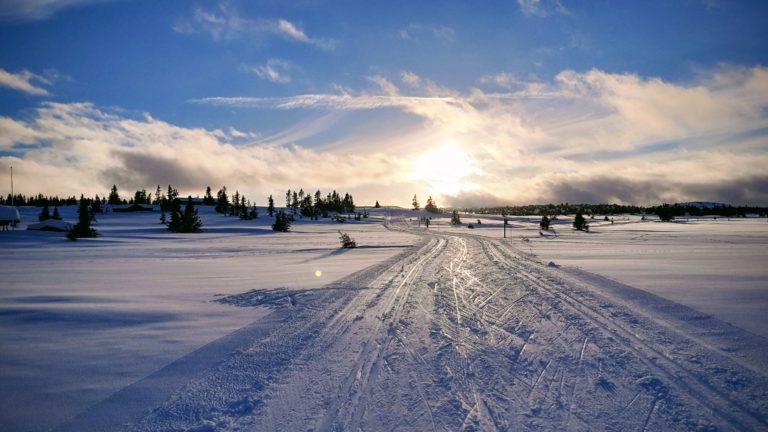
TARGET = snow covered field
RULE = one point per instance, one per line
(445, 329)
(80, 320)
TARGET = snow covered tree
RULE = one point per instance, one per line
(83, 227)
(282, 222)
(579, 222)
(45, 214)
(431, 207)
(545, 222)
(415, 203)
(270, 206)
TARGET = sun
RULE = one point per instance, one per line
(444, 169)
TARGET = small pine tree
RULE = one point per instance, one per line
(45, 214)
(415, 203)
(222, 201)
(346, 241)
(431, 207)
(83, 227)
(455, 219)
(377, 205)
(579, 222)
(56, 215)
(282, 222)
(271, 206)
(208, 199)
(186, 222)
(114, 197)
(545, 222)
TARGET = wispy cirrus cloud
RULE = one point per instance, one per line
(274, 70)
(541, 7)
(26, 81)
(32, 10)
(417, 31)
(226, 23)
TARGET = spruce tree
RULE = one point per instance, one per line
(544, 224)
(282, 222)
(114, 197)
(270, 206)
(415, 203)
(83, 227)
(579, 222)
(186, 222)
(431, 207)
(45, 214)
(208, 199)
(377, 204)
(56, 215)
(222, 201)
(455, 219)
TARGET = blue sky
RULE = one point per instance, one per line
(528, 101)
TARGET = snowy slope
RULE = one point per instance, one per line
(468, 333)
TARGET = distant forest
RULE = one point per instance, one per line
(316, 204)
(673, 210)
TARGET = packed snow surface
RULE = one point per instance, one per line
(439, 329)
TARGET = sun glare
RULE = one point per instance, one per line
(444, 169)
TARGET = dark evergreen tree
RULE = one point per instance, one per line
(83, 227)
(545, 222)
(222, 201)
(282, 222)
(186, 222)
(45, 214)
(158, 196)
(377, 204)
(208, 199)
(415, 203)
(455, 219)
(56, 215)
(431, 207)
(579, 222)
(270, 206)
(346, 241)
(140, 197)
(114, 197)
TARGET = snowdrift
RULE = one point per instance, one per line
(9, 214)
(51, 225)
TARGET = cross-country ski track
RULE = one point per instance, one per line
(460, 332)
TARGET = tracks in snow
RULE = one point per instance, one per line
(467, 334)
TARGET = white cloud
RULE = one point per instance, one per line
(591, 135)
(541, 7)
(22, 81)
(410, 78)
(583, 129)
(39, 9)
(417, 31)
(275, 70)
(226, 23)
(84, 149)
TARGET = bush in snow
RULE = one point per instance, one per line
(282, 222)
(346, 241)
(455, 219)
